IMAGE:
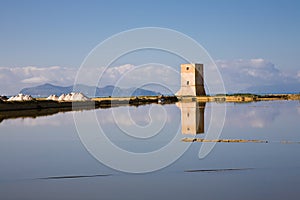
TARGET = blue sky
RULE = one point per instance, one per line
(62, 33)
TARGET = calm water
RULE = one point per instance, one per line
(39, 156)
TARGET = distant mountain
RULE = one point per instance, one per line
(274, 89)
(90, 91)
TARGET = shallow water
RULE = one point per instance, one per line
(44, 158)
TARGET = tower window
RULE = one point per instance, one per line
(187, 68)
(187, 82)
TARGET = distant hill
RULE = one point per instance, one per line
(47, 89)
(274, 89)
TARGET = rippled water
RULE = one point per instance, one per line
(44, 158)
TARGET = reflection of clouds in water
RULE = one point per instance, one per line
(146, 115)
(298, 110)
(128, 116)
(53, 120)
(251, 116)
(258, 123)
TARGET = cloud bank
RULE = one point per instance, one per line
(240, 75)
(14, 79)
(254, 74)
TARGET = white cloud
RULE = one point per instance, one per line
(14, 79)
(112, 74)
(241, 74)
(150, 76)
(39, 79)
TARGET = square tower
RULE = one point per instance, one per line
(192, 82)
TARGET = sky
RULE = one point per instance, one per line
(46, 41)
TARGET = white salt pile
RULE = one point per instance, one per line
(53, 98)
(20, 97)
(61, 97)
(79, 97)
(69, 97)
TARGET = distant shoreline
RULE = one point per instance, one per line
(244, 98)
(106, 102)
(42, 107)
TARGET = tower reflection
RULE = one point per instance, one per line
(192, 117)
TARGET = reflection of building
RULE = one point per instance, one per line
(192, 83)
(192, 117)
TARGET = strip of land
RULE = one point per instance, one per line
(217, 170)
(107, 102)
(42, 107)
(241, 98)
(223, 140)
(75, 176)
(237, 141)
(42, 103)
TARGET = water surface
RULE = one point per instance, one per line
(43, 157)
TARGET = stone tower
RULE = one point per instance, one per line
(192, 81)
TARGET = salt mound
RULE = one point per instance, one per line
(73, 97)
(20, 97)
(53, 97)
(68, 97)
(78, 97)
(61, 97)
